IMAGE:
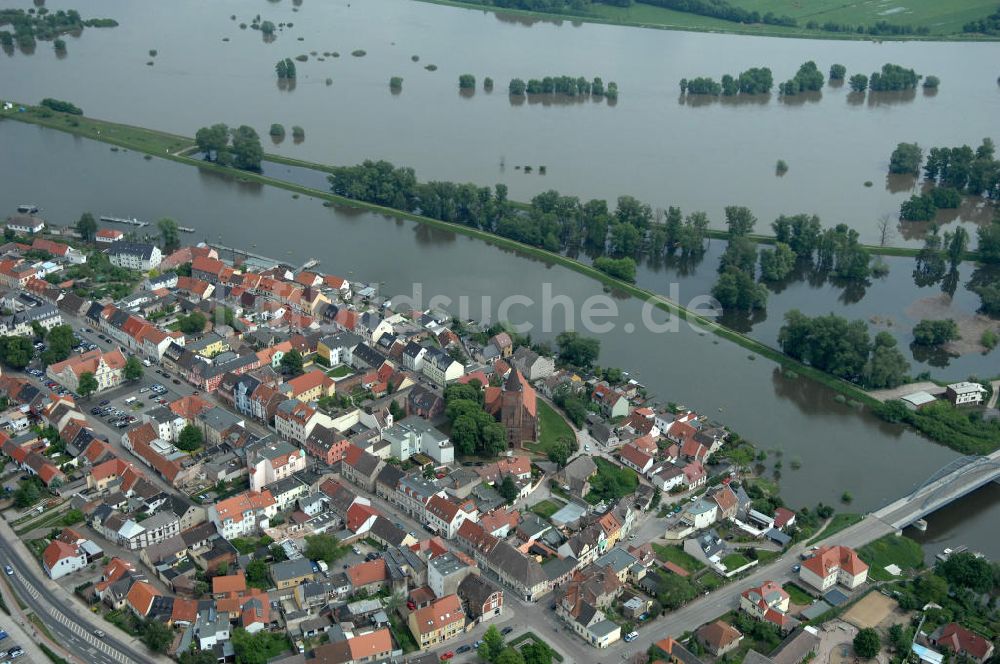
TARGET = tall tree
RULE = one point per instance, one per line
(133, 368)
(170, 236)
(291, 362)
(86, 226)
(740, 220)
(87, 384)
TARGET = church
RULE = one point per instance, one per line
(515, 405)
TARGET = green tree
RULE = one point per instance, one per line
(133, 368)
(989, 240)
(516, 87)
(492, 644)
(858, 83)
(170, 236)
(935, 332)
(258, 648)
(777, 263)
(956, 244)
(87, 384)
(86, 226)
(193, 323)
(576, 350)
(969, 571)
(740, 220)
(509, 656)
(537, 653)
(467, 82)
(867, 643)
(508, 489)
(620, 268)
(190, 438)
(195, 656)
(559, 453)
(675, 592)
(837, 72)
(156, 636)
(291, 362)
(737, 291)
(247, 151)
(257, 573)
(213, 141)
(906, 159)
(60, 344)
(16, 352)
(887, 366)
(324, 547)
(28, 492)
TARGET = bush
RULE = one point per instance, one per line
(298, 133)
(61, 106)
(935, 332)
(358, 53)
(620, 268)
(989, 339)
(277, 130)
(467, 82)
(396, 83)
(932, 82)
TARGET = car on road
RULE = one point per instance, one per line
(506, 630)
(796, 567)
(15, 652)
(446, 656)
(631, 636)
(9, 570)
(465, 648)
(3, 635)
(176, 382)
(99, 633)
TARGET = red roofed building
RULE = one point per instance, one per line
(109, 235)
(444, 619)
(107, 368)
(372, 575)
(190, 407)
(769, 603)
(831, 565)
(243, 514)
(60, 558)
(446, 516)
(515, 405)
(962, 642)
(783, 517)
(360, 518)
(636, 459)
(694, 474)
(310, 386)
(140, 598)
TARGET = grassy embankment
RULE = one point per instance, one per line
(943, 19)
(891, 550)
(172, 147)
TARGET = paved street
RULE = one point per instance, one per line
(69, 623)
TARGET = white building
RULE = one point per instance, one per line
(25, 223)
(244, 514)
(273, 461)
(60, 559)
(831, 565)
(440, 368)
(414, 435)
(965, 393)
(135, 256)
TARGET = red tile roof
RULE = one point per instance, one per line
(829, 559)
(365, 573)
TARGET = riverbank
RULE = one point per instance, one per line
(659, 18)
(122, 135)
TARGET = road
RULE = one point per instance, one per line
(70, 625)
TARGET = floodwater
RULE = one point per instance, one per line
(651, 144)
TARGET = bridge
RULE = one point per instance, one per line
(958, 478)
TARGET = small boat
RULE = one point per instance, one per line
(185, 229)
(27, 209)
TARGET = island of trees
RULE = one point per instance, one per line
(951, 172)
(239, 147)
(753, 81)
(285, 68)
(807, 79)
(61, 106)
(562, 85)
(43, 25)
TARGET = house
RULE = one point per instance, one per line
(636, 459)
(310, 386)
(783, 518)
(769, 603)
(482, 600)
(441, 368)
(25, 223)
(135, 256)
(61, 558)
(107, 367)
(370, 576)
(446, 571)
(368, 647)
(360, 467)
(272, 461)
(532, 365)
(244, 514)
(446, 517)
(140, 598)
(291, 573)
(965, 393)
(831, 565)
(962, 642)
(109, 235)
(413, 435)
(519, 572)
(442, 620)
(676, 653)
(719, 637)
(575, 477)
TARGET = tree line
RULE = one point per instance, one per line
(563, 85)
(41, 24)
(753, 81)
(986, 26)
(238, 147)
(550, 221)
(807, 79)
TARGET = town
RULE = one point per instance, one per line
(219, 458)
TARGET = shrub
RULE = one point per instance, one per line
(467, 82)
(932, 82)
(277, 130)
(396, 83)
(359, 53)
(61, 106)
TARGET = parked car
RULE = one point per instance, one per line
(631, 636)
(446, 656)
(465, 648)
(9, 570)
(506, 630)
(411, 605)
(99, 633)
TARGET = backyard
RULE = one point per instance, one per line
(546, 508)
(552, 429)
(611, 482)
(677, 555)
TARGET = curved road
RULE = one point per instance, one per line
(73, 632)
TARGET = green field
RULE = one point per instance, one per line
(735, 561)
(552, 428)
(837, 523)
(545, 508)
(943, 19)
(888, 550)
(798, 595)
(677, 556)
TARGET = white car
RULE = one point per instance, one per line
(631, 636)
(9, 570)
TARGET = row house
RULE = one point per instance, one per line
(326, 444)
(20, 323)
(108, 368)
(361, 468)
(295, 420)
(270, 461)
(446, 517)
